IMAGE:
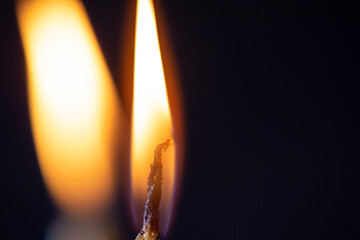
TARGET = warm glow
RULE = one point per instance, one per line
(73, 103)
(152, 122)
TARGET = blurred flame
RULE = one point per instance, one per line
(73, 103)
(152, 123)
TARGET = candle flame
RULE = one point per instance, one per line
(73, 103)
(152, 123)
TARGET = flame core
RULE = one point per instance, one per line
(73, 104)
(152, 123)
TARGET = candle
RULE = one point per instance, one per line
(75, 111)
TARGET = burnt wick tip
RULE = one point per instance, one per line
(150, 229)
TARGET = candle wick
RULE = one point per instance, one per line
(150, 229)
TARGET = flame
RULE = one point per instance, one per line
(152, 123)
(73, 103)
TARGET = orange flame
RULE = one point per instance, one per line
(73, 103)
(152, 123)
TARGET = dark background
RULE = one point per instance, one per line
(271, 106)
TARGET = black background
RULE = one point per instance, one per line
(270, 103)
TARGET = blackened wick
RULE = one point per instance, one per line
(150, 229)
